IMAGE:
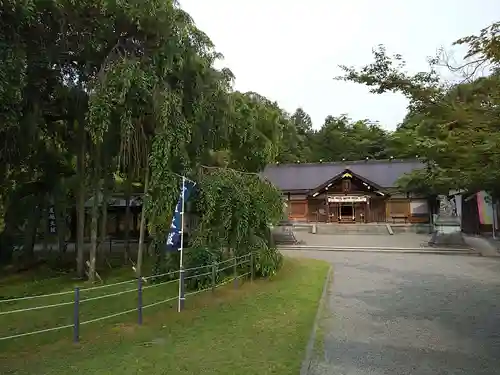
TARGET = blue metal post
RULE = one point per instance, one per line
(139, 300)
(76, 316)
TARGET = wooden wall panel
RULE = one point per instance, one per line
(298, 209)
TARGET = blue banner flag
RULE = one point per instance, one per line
(174, 236)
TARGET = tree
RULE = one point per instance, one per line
(302, 122)
(297, 141)
(342, 139)
(255, 133)
(454, 127)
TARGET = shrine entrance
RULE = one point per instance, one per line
(347, 209)
(346, 212)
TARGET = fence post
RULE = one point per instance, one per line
(76, 316)
(235, 272)
(139, 300)
(252, 275)
(213, 276)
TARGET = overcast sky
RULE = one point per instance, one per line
(289, 50)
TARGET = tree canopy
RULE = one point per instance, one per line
(104, 97)
(452, 125)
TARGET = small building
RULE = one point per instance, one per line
(348, 192)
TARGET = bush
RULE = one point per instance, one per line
(268, 262)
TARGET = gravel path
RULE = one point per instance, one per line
(410, 314)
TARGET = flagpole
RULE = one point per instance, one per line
(181, 249)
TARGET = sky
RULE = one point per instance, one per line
(289, 50)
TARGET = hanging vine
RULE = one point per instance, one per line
(235, 211)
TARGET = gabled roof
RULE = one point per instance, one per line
(341, 175)
(305, 177)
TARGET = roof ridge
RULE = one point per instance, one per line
(348, 162)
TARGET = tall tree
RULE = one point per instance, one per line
(454, 126)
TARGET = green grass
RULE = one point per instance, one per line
(260, 328)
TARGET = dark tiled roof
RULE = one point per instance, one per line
(309, 176)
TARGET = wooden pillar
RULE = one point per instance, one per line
(368, 213)
(327, 206)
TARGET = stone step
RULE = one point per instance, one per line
(409, 250)
(351, 229)
(284, 238)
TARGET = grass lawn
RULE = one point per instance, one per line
(260, 328)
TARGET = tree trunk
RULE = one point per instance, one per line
(95, 214)
(93, 232)
(80, 204)
(104, 212)
(142, 229)
(128, 194)
(60, 210)
(31, 230)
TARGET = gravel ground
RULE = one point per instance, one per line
(410, 314)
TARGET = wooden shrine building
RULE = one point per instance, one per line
(348, 192)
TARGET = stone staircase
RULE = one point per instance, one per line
(284, 236)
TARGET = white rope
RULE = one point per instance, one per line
(37, 296)
(160, 302)
(233, 258)
(224, 261)
(197, 268)
(225, 268)
(231, 266)
(35, 332)
(161, 275)
(163, 283)
(108, 316)
(199, 275)
(107, 285)
(36, 308)
(107, 295)
(116, 284)
(112, 315)
(225, 282)
(197, 291)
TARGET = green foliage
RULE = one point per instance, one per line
(341, 138)
(454, 126)
(235, 210)
(256, 133)
(140, 94)
(268, 261)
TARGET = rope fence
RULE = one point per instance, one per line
(213, 275)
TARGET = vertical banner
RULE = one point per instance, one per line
(52, 220)
(174, 236)
(484, 208)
